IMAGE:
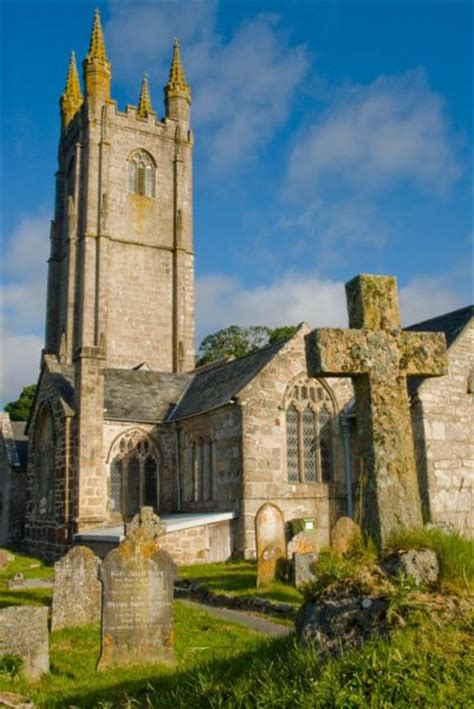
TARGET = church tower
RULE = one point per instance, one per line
(121, 272)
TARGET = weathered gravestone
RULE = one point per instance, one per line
(137, 578)
(147, 519)
(302, 564)
(77, 591)
(24, 632)
(271, 542)
(379, 356)
(344, 535)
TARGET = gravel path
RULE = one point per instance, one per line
(251, 621)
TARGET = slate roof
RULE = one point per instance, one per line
(215, 386)
(140, 395)
(450, 323)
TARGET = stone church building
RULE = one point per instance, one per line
(123, 419)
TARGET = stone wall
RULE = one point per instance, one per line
(442, 418)
(50, 534)
(265, 476)
(122, 264)
(222, 429)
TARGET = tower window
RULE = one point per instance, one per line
(141, 174)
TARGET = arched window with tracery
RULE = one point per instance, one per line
(201, 461)
(141, 174)
(310, 416)
(44, 457)
(134, 478)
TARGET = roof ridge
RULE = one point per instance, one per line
(442, 315)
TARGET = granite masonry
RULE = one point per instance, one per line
(77, 592)
(137, 623)
(379, 356)
(122, 420)
(271, 543)
(24, 632)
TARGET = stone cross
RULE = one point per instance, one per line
(379, 356)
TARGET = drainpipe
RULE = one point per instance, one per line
(345, 423)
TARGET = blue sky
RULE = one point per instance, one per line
(332, 138)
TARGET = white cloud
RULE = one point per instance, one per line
(334, 229)
(376, 135)
(426, 297)
(306, 296)
(23, 302)
(291, 299)
(20, 365)
(28, 244)
(243, 87)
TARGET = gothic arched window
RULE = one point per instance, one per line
(201, 449)
(134, 474)
(45, 477)
(141, 174)
(309, 439)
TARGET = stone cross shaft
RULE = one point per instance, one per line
(379, 356)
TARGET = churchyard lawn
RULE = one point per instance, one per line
(222, 664)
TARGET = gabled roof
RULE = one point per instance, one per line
(215, 386)
(142, 396)
(450, 323)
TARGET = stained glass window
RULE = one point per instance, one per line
(309, 438)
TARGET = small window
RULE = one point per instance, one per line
(141, 174)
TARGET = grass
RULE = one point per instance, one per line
(31, 568)
(455, 554)
(221, 665)
(239, 578)
(427, 661)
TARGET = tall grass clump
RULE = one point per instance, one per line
(454, 552)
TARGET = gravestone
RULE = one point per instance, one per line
(379, 356)
(306, 542)
(147, 519)
(77, 591)
(344, 534)
(302, 568)
(137, 595)
(24, 632)
(271, 542)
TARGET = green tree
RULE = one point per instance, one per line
(282, 333)
(19, 410)
(238, 341)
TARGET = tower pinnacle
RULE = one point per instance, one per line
(97, 44)
(177, 85)
(97, 68)
(144, 103)
(71, 100)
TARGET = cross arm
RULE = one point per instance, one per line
(335, 352)
(424, 354)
